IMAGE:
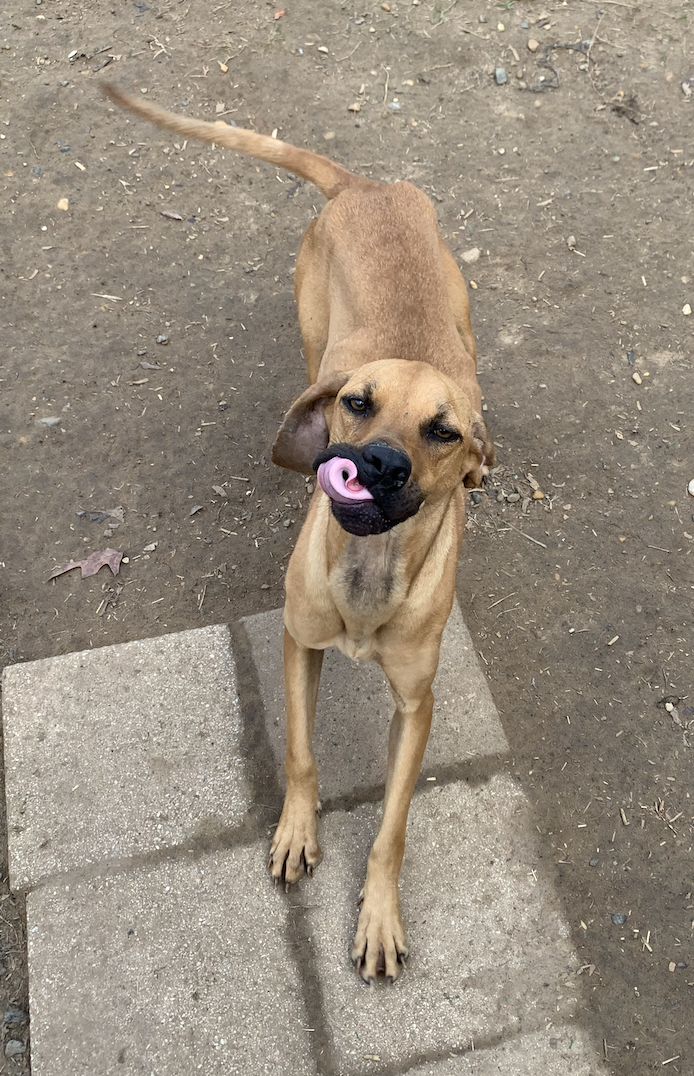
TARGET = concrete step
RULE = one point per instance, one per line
(560, 1051)
(120, 751)
(157, 947)
(490, 951)
(182, 967)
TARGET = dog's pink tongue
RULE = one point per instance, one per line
(338, 478)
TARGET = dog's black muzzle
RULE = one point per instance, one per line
(385, 472)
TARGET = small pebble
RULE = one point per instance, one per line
(686, 310)
(470, 256)
(690, 488)
(49, 421)
(394, 106)
(14, 1015)
(483, 18)
(533, 45)
(162, 339)
(475, 497)
(500, 76)
(538, 495)
(513, 497)
(525, 24)
(593, 862)
(618, 918)
(14, 1048)
(636, 376)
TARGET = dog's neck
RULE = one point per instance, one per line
(369, 578)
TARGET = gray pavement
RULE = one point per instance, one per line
(139, 825)
(120, 751)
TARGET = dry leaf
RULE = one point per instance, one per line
(91, 564)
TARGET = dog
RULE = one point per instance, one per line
(392, 425)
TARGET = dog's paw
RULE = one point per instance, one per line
(379, 944)
(295, 849)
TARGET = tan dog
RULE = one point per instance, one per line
(392, 423)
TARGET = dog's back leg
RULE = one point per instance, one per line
(458, 298)
(311, 288)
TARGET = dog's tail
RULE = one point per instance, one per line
(330, 178)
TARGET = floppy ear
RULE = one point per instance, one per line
(304, 432)
(481, 455)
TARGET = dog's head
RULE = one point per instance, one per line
(385, 438)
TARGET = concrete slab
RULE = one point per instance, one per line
(355, 707)
(120, 751)
(490, 953)
(563, 1051)
(175, 969)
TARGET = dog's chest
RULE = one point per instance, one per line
(367, 587)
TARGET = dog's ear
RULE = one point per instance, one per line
(304, 432)
(481, 455)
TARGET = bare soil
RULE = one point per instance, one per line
(574, 181)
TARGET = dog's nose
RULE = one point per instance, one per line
(388, 466)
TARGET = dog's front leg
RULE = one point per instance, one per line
(379, 944)
(295, 847)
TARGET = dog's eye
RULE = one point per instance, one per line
(443, 433)
(356, 403)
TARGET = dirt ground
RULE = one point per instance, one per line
(573, 179)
